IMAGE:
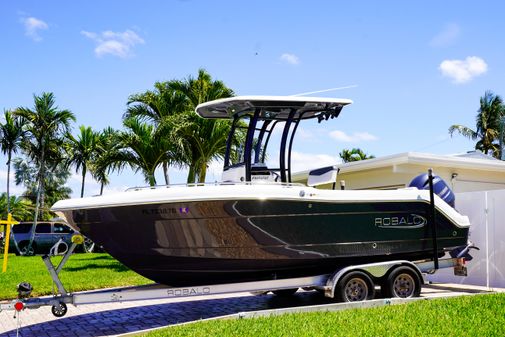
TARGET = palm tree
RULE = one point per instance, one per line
(157, 107)
(11, 133)
(487, 128)
(355, 154)
(201, 89)
(205, 141)
(205, 138)
(142, 147)
(54, 184)
(81, 151)
(106, 143)
(20, 206)
(22, 209)
(46, 127)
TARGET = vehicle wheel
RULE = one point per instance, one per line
(402, 282)
(88, 246)
(23, 248)
(354, 287)
(59, 310)
(285, 292)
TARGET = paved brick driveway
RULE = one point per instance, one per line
(119, 318)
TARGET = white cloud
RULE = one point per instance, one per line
(117, 44)
(354, 138)
(33, 26)
(447, 36)
(305, 161)
(304, 134)
(290, 58)
(462, 71)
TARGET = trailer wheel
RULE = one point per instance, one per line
(402, 282)
(354, 287)
(59, 310)
(285, 292)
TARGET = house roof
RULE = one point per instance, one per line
(468, 160)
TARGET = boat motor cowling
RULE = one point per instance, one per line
(440, 187)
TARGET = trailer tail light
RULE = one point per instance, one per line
(19, 306)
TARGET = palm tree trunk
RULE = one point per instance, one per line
(8, 194)
(40, 188)
(8, 181)
(101, 188)
(151, 178)
(165, 172)
(83, 180)
(203, 173)
(191, 175)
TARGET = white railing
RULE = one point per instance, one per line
(217, 183)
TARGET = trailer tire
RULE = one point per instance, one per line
(402, 282)
(59, 310)
(355, 286)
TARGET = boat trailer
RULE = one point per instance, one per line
(398, 278)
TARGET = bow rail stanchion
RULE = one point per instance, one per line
(8, 224)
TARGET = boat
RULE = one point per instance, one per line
(256, 224)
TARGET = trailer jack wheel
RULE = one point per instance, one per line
(59, 310)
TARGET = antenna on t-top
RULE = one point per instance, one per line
(326, 90)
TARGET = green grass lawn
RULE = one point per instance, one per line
(81, 272)
(480, 315)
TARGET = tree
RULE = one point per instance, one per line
(21, 208)
(81, 151)
(487, 128)
(355, 154)
(205, 141)
(25, 173)
(205, 138)
(141, 146)
(157, 107)
(46, 127)
(11, 133)
(106, 143)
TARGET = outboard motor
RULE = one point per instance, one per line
(440, 187)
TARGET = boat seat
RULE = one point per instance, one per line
(321, 176)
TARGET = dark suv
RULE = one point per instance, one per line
(46, 235)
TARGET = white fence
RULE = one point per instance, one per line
(486, 211)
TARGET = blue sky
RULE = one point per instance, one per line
(413, 69)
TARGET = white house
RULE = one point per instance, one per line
(467, 172)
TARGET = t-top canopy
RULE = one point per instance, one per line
(273, 107)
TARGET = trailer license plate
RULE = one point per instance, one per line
(460, 270)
